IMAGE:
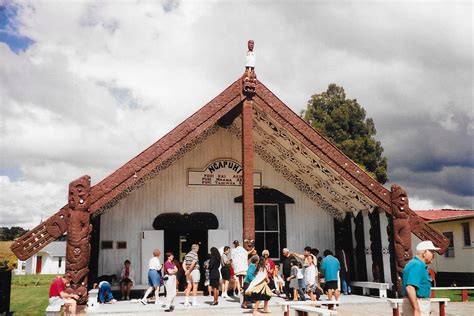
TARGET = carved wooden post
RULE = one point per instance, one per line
(249, 81)
(402, 230)
(79, 228)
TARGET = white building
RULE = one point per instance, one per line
(456, 266)
(49, 260)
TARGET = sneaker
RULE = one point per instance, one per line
(187, 304)
(113, 301)
(123, 298)
(170, 309)
(128, 298)
(143, 301)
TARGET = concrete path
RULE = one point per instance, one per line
(350, 305)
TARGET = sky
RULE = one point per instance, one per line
(87, 85)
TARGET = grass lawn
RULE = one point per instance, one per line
(29, 294)
(455, 295)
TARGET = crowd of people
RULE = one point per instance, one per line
(238, 271)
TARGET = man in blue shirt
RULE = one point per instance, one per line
(330, 267)
(416, 282)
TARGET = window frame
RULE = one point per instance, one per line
(271, 231)
(450, 253)
(466, 233)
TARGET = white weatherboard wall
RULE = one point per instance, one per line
(306, 223)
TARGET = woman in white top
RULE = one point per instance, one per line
(127, 280)
(154, 277)
(311, 278)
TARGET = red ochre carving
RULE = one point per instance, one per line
(78, 232)
(249, 82)
(401, 230)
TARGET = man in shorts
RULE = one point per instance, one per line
(191, 270)
(330, 267)
(57, 296)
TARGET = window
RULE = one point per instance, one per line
(121, 245)
(60, 262)
(267, 229)
(106, 244)
(450, 252)
(467, 234)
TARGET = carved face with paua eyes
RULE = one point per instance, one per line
(399, 197)
(79, 196)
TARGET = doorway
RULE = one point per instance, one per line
(39, 262)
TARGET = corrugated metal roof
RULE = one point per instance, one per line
(440, 215)
(56, 249)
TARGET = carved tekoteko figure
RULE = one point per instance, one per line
(402, 229)
(249, 78)
(78, 232)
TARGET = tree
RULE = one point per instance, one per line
(344, 122)
(11, 233)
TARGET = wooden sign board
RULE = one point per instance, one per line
(221, 172)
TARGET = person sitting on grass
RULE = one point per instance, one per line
(58, 297)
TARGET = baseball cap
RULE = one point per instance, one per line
(426, 245)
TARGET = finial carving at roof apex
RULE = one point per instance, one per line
(250, 78)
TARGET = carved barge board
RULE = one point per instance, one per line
(186, 135)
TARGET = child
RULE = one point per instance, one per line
(311, 278)
(278, 280)
(105, 293)
(301, 283)
(293, 278)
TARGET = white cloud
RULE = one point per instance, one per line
(104, 80)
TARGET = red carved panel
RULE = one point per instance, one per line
(38, 237)
(129, 174)
(78, 233)
(247, 161)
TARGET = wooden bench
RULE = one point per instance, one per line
(395, 304)
(366, 286)
(464, 289)
(53, 310)
(305, 310)
(286, 305)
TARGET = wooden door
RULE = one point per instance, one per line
(39, 261)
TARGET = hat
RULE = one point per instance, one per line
(426, 245)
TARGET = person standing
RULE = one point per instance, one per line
(154, 277)
(286, 270)
(191, 268)
(270, 265)
(239, 260)
(345, 272)
(127, 280)
(251, 272)
(258, 289)
(170, 271)
(214, 275)
(225, 270)
(330, 267)
(416, 282)
(57, 295)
